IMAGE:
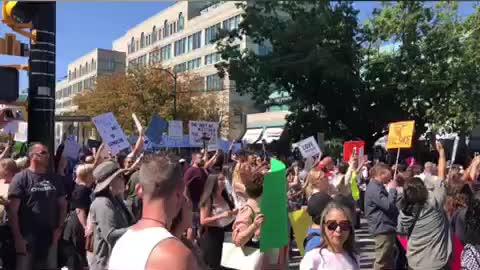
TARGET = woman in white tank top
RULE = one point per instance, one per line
(216, 214)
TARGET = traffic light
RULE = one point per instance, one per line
(17, 14)
(9, 79)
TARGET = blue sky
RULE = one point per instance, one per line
(84, 26)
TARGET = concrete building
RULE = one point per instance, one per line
(81, 76)
(182, 37)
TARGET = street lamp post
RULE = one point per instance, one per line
(174, 76)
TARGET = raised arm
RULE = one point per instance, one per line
(98, 156)
(442, 161)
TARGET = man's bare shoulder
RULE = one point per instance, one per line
(172, 254)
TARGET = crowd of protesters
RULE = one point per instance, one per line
(158, 211)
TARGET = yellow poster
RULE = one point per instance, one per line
(300, 221)
(400, 134)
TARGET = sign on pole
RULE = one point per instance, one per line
(175, 130)
(71, 148)
(111, 132)
(309, 147)
(201, 129)
(400, 135)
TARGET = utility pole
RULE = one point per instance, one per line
(41, 90)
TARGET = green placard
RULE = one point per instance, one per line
(274, 231)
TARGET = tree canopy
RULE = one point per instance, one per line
(146, 91)
(409, 60)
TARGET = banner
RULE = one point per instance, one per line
(155, 129)
(348, 147)
(274, 232)
(111, 132)
(309, 147)
(175, 130)
(199, 129)
(400, 135)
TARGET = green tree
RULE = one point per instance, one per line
(315, 57)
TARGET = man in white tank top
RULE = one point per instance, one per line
(151, 243)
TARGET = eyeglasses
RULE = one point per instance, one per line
(332, 225)
(43, 153)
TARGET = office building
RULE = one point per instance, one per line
(182, 38)
(81, 76)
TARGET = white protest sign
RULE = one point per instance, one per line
(212, 147)
(175, 130)
(71, 147)
(199, 129)
(22, 131)
(111, 132)
(309, 147)
(137, 122)
(11, 127)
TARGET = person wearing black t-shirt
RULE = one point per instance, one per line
(37, 209)
(74, 233)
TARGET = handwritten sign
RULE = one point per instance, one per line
(155, 129)
(200, 129)
(175, 130)
(400, 135)
(22, 131)
(309, 147)
(111, 133)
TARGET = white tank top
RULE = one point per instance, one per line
(132, 250)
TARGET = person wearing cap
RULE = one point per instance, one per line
(110, 216)
(152, 242)
(315, 207)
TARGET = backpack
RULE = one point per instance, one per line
(309, 237)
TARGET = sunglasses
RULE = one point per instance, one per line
(43, 153)
(332, 225)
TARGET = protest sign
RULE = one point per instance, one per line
(274, 231)
(155, 129)
(309, 147)
(137, 122)
(22, 131)
(300, 221)
(71, 148)
(111, 132)
(175, 130)
(11, 127)
(400, 135)
(200, 129)
(348, 147)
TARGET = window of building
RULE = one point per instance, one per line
(182, 67)
(213, 82)
(132, 45)
(159, 34)
(69, 75)
(194, 41)
(179, 46)
(165, 29)
(142, 40)
(154, 34)
(232, 23)
(212, 58)
(137, 46)
(211, 34)
(93, 65)
(194, 64)
(181, 22)
(171, 28)
(166, 52)
(147, 40)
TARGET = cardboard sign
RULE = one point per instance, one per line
(175, 130)
(400, 135)
(137, 122)
(155, 129)
(199, 129)
(111, 133)
(22, 131)
(348, 147)
(71, 148)
(309, 147)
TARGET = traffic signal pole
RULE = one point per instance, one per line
(41, 90)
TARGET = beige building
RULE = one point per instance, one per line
(182, 37)
(81, 75)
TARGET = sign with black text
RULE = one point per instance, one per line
(111, 132)
(309, 147)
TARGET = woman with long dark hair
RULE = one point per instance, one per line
(471, 252)
(216, 215)
(337, 249)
